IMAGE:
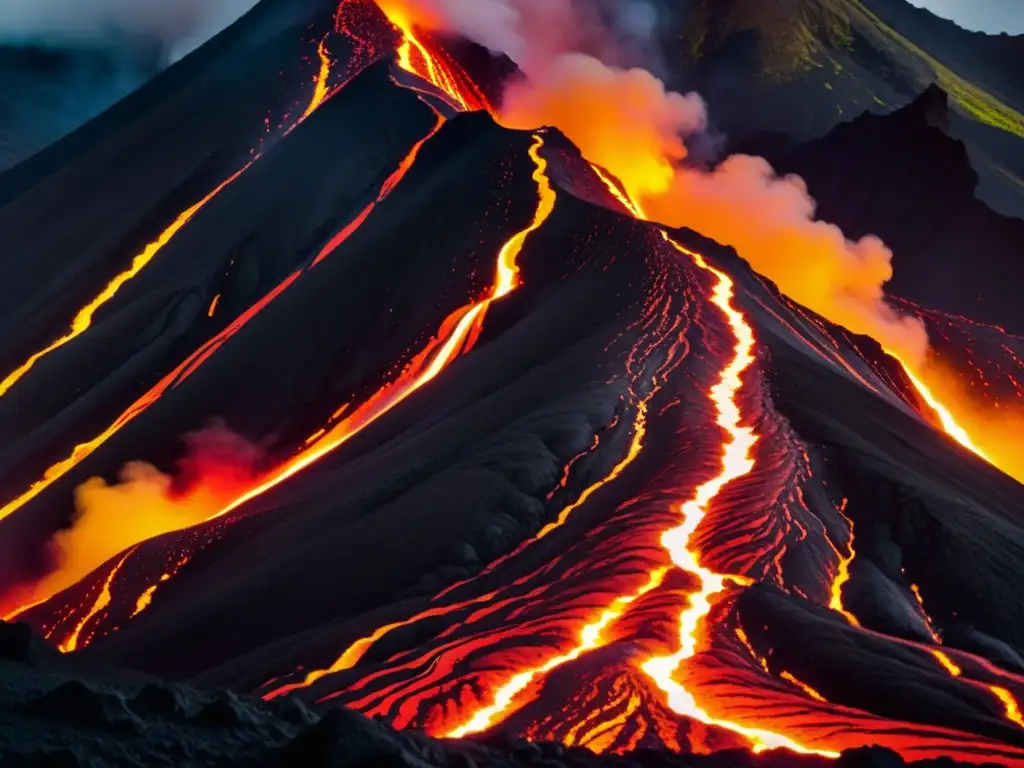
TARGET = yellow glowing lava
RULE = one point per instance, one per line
(102, 601)
(590, 638)
(83, 320)
(949, 422)
(737, 461)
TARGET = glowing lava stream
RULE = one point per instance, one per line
(102, 601)
(948, 422)
(352, 655)
(83, 319)
(197, 358)
(460, 329)
(737, 461)
(590, 638)
(433, 70)
(456, 330)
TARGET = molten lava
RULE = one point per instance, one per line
(83, 320)
(445, 347)
(590, 638)
(947, 420)
(417, 58)
(736, 461)
(71, 643)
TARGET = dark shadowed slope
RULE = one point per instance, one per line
(504, 458)
(799, 68)
(904, 178)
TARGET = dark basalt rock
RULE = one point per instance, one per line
(225, 711)
(18, 644)
(870, 757)
(341, 738)
(904, 178)
(158, 700)
(76, 702)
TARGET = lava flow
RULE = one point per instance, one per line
(416, 58)
(659, 328)
(452, 338)
(736, 461)
(84, 318)
(455, 335)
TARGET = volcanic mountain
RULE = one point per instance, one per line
(800, 67)
(345, 397)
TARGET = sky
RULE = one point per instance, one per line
(986, 15)
(181, 24)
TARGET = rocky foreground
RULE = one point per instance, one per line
(59, 711)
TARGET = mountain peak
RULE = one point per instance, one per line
(931, 107)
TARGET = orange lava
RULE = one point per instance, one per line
(416, 58)
(322, 81)
(144, 600)
(947, 420)
(1010, 704)
(590, 638)
(947, 663)
(788, 676)
(737, 461)
(102, 601)
(170, 381)
(843, 576)
(450, 341)
(83, 320)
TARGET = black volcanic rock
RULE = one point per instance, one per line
(19, 644)
(58, 727)
(79, 703)
(903, 178)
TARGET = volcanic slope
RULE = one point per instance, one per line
(904, 178)
(560, 447)
(799, 68)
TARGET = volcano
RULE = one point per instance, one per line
(347, 420)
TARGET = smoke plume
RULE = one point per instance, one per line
(145, 502)
(180, 24)
(628, 122)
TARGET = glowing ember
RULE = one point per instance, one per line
(102, 601)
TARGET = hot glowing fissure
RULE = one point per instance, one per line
(389, 396)
(737, 461)
(83, 320)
